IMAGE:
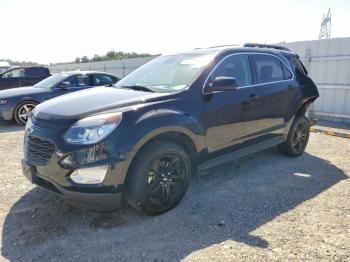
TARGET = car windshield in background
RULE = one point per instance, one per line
(167, 73)
(52, 80)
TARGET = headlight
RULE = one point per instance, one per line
(92, 129)
(3, 101)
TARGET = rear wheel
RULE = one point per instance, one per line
(158, 178)
(22, 110)
(298, 137)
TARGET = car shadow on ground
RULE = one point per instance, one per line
(225, 203)
(8, 126)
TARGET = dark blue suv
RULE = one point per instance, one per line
(140, 140)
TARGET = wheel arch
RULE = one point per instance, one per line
(176, 136)
(305, 105)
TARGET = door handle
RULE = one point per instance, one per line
(291, 88)
(253, 97)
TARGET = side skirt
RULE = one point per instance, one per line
(241, 153)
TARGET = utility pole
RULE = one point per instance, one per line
(325, 30)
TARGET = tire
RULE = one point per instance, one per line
(298, 137)
(158, 178)
(21, 111)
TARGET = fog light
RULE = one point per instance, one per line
(92, 175)
(86, 156)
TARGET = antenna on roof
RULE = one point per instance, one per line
(325, 30)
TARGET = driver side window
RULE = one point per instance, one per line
(236, 66)
(78, 81)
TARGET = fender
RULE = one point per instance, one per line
(160, 121)
(152, 124)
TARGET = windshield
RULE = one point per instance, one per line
(167, 73)
(51, 80)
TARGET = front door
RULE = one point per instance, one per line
(228, 114)
(76, 83)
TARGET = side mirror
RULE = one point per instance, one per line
(64, 85)
(223, 83)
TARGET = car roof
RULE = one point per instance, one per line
(259, 48)
(76, 72)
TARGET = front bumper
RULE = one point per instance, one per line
(102, 198)
(44, 165)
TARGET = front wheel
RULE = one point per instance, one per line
(22, 111)
(158, 177)
(298, 137)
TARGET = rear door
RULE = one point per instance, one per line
(34, 75)
(277, 89)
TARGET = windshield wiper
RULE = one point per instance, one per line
(139, 88)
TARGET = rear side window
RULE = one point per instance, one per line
(102, 80)
(36, 72)
(298, 65)
(268, 68)
(236, 66)
(286, 72)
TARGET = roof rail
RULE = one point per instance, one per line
(216, 46)
(279, 47)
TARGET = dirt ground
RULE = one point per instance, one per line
(267, 207)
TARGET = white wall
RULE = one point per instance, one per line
(328, 63)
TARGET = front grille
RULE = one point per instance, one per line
(37, 151)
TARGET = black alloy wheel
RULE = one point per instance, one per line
(158, 178)
(166, 177)
(298, 137)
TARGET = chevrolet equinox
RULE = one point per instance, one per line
(140, 140)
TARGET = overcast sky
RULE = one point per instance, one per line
(60, 30)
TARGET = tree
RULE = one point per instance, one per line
(96, 58)
(85, 59)
(110, 55)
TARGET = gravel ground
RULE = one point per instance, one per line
(267, 207)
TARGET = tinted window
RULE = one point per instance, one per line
(298, 65)
(236, 66)
(14, 73)
(36, 72)
(78, 81)
(268, 68)
(286, 72)
(102, 80)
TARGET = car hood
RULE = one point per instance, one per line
(20, 91)
(91, 101)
